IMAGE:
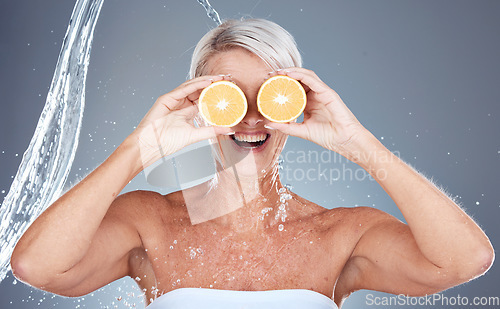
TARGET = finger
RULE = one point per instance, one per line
(307, 78)
(281, 72)
(189, 112)
(194, 96)
(292, 128)
(190, 87)
(306, 88)
(203, 77)
(176, 96)
(213, 78)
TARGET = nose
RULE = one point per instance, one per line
(253, 117)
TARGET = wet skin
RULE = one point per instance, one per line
(334, 252)
(245, 250)
(90, 236)
(309, 253)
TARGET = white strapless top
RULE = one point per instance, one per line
(196, 298)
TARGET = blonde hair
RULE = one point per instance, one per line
(264, 38)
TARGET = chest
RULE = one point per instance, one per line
(297, 257)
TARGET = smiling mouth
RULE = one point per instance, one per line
(250, 141)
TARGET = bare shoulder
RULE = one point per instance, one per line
(362, 217)
(138, 207)
(344, 226)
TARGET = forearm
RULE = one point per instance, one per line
(444, 233)
(60, 237)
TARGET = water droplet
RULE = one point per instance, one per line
(280, 227)
(192, 254)
(477, 203)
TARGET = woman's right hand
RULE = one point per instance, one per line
(168, 126)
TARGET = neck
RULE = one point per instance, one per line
(255, 200)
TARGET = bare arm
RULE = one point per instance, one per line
(83, 240)
(440, 247)
(62, 235)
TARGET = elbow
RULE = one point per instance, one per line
(19, 269)
(483, 261)
(32, 273)
(477, 264)
(25, 270)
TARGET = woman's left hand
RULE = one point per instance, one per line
(327, 120)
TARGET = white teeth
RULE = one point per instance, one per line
(249, 138)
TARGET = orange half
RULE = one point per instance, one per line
(222, 104)
(281, 99)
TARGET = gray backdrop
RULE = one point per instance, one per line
(423, 76)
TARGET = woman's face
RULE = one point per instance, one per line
(253, 149)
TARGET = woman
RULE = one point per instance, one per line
(243, 231)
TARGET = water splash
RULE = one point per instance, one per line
(211, 12)
(47, 161)
(281, 213)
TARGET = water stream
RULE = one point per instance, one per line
(211, 12)
(47, 161)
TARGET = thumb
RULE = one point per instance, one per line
(292, 128)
